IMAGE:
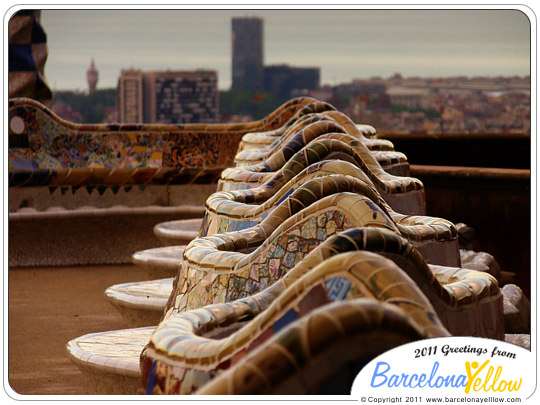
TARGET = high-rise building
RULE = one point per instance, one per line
(247, 58)
(129, 94)
(168, 96)
(92, 76)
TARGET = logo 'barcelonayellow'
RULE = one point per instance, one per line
(473, 379)
(463, 365)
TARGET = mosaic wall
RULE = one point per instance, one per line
(297, 240)
(44, 149)
(307, 129)
(395, 189)
(323, 276)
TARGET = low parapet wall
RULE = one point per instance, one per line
(64, 228)
(502, 150)
(495, 202)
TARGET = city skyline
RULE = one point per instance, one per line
(345, 44)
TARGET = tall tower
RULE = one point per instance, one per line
(130, 102)
(92, 77)
(247, 58)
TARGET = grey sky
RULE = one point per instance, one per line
(345, 44)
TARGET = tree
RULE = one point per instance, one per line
(92, 107)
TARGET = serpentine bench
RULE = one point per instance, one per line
(293, 247)
(403, 193)
(306, 129)
(64, 163)
(234, 211)
(209, 340)
(406, 197)
(355, 332)
(333, 146)
(249, 156)
(47, 150)
(190, 348)
(391, 161)
(246, 156)
(264, 139)
(470, 292)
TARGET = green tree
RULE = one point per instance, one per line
(255, 104)
(92, 107)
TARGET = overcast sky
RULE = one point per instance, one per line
(345, 44)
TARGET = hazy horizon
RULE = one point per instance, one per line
(345, 44)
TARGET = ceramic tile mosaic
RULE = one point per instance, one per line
(46, 150)
(325, 149)
(312, 284)
(259, 140)
(293, 124)
(238, 210)
(307, 218)
(305, 130)
(279, 257)
(279, 187)
(393, 162)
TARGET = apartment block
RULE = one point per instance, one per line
(168, 96)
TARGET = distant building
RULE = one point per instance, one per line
(168, 96)
(358, 88)
(92, 75)
(247, 58)
(409, 97)
(130, 98)
(281, 80)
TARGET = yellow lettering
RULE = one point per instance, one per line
(497, 374)
(470, 375)
(477, 383)
(488, 376)
(516, 386)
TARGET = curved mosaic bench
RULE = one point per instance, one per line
(343, 124)
(47, 150)
(467, 296)
(227, 211)
(181, 232)
(366, 329)
(188, 350)
(309, 110)
(469, 287)
(394, 163)
(406, 200)
(226, 251)
(306, 130)
(324, 149)
(257, 140)
(179, 368)
(237, 209)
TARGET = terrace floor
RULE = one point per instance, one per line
(48, 306)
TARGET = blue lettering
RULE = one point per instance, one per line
(393, 381)
(382, 377)
(404, 379)
(381, 374)
(463, 382)
(433, 372)
(413, 377)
